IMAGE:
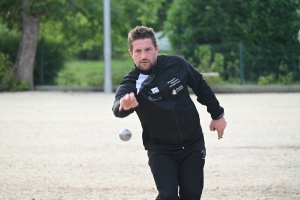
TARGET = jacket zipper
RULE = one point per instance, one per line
(181, 137)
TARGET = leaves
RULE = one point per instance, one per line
(270, 22)
(78, 24)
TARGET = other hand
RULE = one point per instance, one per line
(219, 125)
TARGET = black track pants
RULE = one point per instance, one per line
(181, 168)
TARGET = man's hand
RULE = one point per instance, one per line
(128, 101)
(219, 125)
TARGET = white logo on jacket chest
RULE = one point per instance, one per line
(175, 91)
(155, 90)
(173, 82)
(154, 98)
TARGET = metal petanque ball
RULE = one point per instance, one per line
(125, 134)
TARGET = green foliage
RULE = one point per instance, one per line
(211, 58)
(209, 61)
(34, 7)
(256, 23)
(9, 42)
(218, 64)
(265, 28)
(266, 80)
(285, 76)
(95, 53)
(54, 57)
(8, 52)
(215, 80)
(79, 24)
(213, 61)
(263, 61)
(232, 67)
(54, 54)
(8, 80)
(10, 13)
(161, 15)
(204, 55)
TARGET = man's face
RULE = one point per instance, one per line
(299, 36)
(143, 53)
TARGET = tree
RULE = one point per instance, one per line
(31, 13)
(26, 15)
(78, 22)
(253, 22)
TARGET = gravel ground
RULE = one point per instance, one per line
(65, 145)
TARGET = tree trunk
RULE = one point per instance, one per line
(24, 64)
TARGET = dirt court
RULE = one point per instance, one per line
(65, 145)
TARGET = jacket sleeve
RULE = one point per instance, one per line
(204, 93)
(123, 89)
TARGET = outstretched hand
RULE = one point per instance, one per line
(128, 101)
(219, 125)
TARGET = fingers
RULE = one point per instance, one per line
(211, 128)
(133, 100)
(121, 105)
(123, 101)
(220, 133)
(128, 101)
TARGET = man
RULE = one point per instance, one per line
(157, 90)
(298, 36)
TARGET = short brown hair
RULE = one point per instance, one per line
(141, 32)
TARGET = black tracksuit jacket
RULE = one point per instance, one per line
(167, 114)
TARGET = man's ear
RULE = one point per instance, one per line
(130, 52)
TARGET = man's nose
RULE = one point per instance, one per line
(144, 54)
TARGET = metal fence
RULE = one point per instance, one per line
(240, 64)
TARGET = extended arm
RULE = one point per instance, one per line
(125, 102)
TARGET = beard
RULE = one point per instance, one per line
(146, 64)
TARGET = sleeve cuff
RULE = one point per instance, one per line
(220, 116)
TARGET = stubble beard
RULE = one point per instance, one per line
(149, 65)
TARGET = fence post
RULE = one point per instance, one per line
(241, 63)
(107, 47)
(42, 62)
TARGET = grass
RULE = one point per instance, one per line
(91, 73)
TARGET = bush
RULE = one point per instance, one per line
(285, 76)
(266, 80)
(9, 45)
(96, 53)
(54, 58)
(8, 80)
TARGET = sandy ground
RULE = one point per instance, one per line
(65, 145)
